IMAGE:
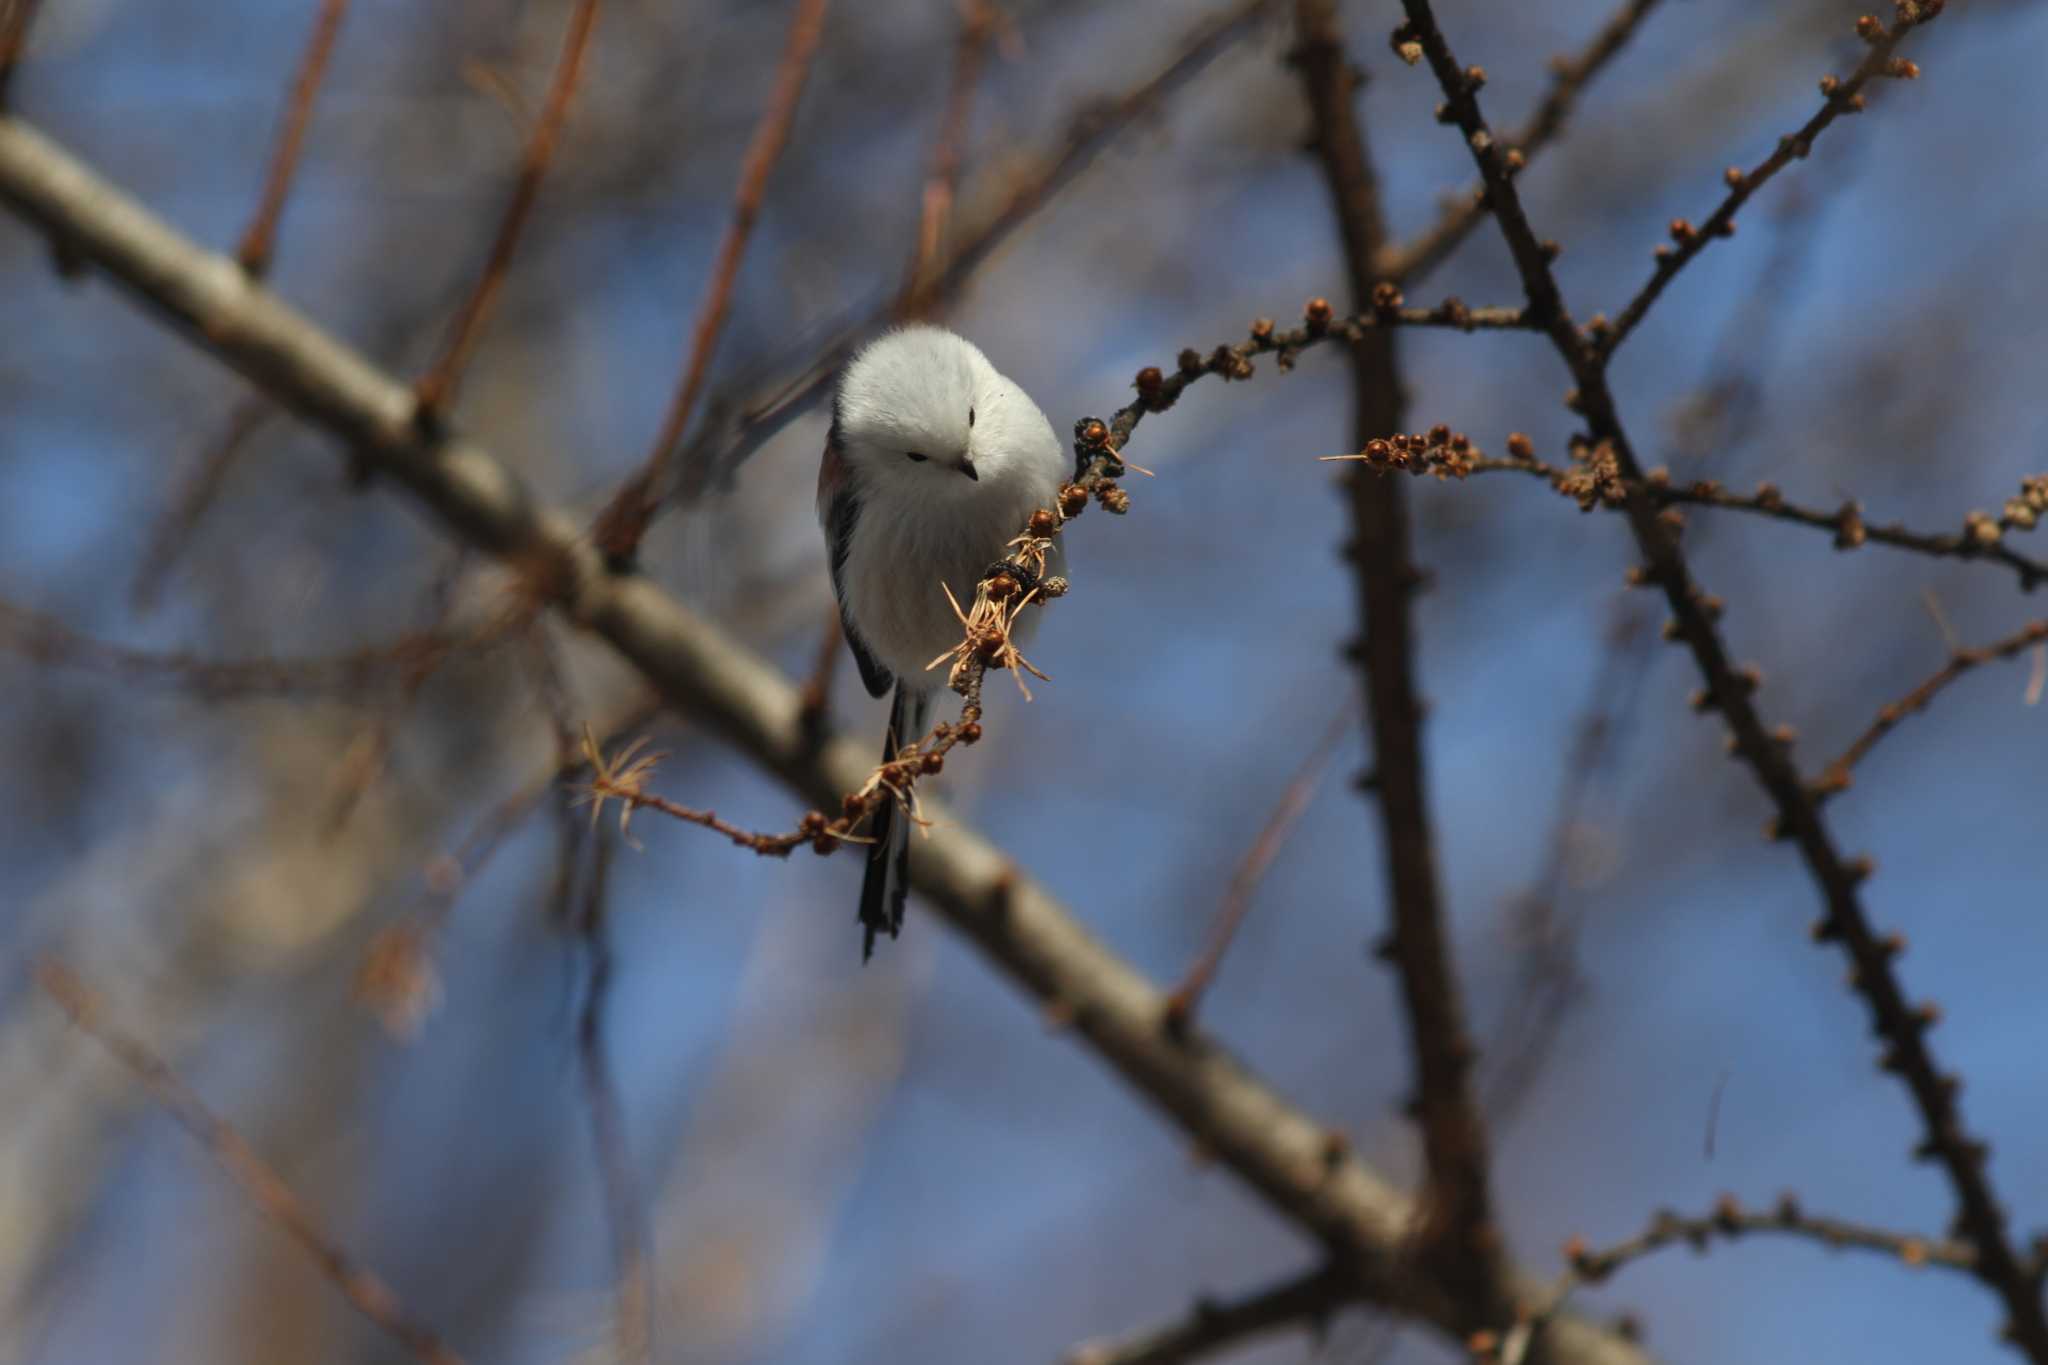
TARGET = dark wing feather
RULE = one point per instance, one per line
(842, 513)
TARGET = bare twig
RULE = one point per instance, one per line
(196, 491)
(1594, 479)
(1729, 1222)
(1569, 78)
(47, 640)
(16, 17)
(437, 386)
(259, 241)
(1281, 1153)
(1302, 1301)
(1459, 1237)
(624, 1207)
(1901, 1025)
(979, 20)
(1836, 775)
(1185, 999)
(371, 1296)
(1840, 97)
(713, 454)
(624, 521)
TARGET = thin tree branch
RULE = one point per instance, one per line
(437, 386)
(1729, 1222)
(1285, 1157)
(47, 640)
(1901, 1025)
(195, 493)
(621, 525)
(1836, 775)
(1569, 78)
(1841, 97)
(1185, 999)
(1302, 1301)
(713, 454)
(259, 241)
(979, 20)
(370, 1296)
(1459, 1237)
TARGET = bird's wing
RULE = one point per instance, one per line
(839, 511)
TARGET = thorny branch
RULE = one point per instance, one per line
(1901, 1026)
(1458, 1237)
(1293, 1163)
(259, 241)
(1218, 1325)
(621, 525)
(265, 1188)
(437, 386)
(1569, 78)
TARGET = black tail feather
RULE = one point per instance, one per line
(886, 885)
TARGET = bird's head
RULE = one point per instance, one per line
(914, 409)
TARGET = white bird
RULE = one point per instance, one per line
(935, 461)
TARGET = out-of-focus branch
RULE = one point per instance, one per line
(16, 16)
(47, 640)
(621, 525)
(1290, 1161)
(1303, 1301)
(1840, 97)
(1729, 1222)
(1902, 1026)
(437, 386)
(1458, 1238)
(259, 240)
(196, 491)
(371, 1296)
(713, 454)
(1836, 775)
(979, 20)
(1569, 78)
(1186, 998)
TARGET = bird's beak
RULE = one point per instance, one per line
(967, 468)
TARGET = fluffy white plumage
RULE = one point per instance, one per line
(934, 464)
(915, 523)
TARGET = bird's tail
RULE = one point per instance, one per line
(887, 883)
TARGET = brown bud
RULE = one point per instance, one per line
(1520, 447)
(1475, 78)
(1115, 500)
(1317, 313)
(1551, 248)
(932, 763)
(1515, 160)
(1869, 29)
(1043, 523)
(1439, 435)
(1902, 69)
(852, 804)
(1262, 329)
(1093, 433)
(970, 732)
(1149, 383)
(813, 823)
(1000, 587)
(1829, 85)
(1386, 297)
(1681, 230)
(1734, 178)
(1190, 362)
(1073, 499)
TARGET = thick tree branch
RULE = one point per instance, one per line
(1901, 1025)
(1291, 1162)
(1460, 1239)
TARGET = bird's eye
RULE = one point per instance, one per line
(913, 455)
(970, 417)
